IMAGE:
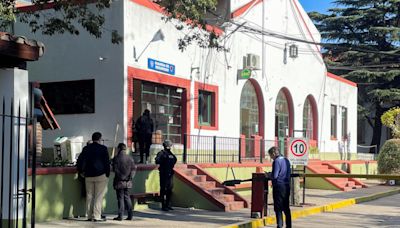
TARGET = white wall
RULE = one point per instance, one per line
(68, 57)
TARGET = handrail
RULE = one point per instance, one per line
(366, 176)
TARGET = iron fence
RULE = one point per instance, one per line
(215, 149)
(15, 126)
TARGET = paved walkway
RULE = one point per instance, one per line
(382, 212)
(182, 217)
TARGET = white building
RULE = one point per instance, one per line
(294, 93)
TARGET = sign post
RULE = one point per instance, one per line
(298, 155)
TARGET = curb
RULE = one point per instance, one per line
(271, 220)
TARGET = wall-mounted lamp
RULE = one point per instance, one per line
(159, 35)
(179, 90)
(293, 51)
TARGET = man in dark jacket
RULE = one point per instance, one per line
(144, 128)
(125, 169)
(166, 161)
(280, 177)
(94, 164)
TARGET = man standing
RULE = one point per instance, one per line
(94, 164)
(166, 161)
(144, 128)
(125, 169)
(280, 177)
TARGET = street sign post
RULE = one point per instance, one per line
(298, 151)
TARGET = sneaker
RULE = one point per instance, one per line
(164, 209)
(129, 218)
(170, 208)
(118, 218)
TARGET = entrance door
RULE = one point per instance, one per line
(165, 105)
(249, 114)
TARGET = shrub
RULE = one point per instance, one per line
(391, 119)
(389, 157)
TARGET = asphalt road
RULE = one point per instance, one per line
(384, 212)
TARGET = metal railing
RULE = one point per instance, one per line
(15, 126)
(215, 149)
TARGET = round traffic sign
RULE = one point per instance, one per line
(298, 148)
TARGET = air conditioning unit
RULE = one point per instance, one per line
(251, 61)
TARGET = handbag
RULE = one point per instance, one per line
(123, 184)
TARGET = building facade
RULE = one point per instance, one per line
(95, 85)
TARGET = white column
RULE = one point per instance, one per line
(14, 87)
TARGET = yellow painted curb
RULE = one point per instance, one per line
(271, 220)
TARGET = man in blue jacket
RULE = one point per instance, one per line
(94, 164)
(280, 177)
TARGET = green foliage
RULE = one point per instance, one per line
(389, 157)
(63, 18)
(391, 119)
(193, 14)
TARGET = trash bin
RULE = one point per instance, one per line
(60, 148)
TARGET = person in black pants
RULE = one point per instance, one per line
(280, 177)
(166, 161)
(125, 169)
(144, 128)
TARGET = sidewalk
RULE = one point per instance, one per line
(182, 217)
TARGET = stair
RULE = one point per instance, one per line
(213, 190)
(344, 184)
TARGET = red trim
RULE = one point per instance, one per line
(49, 5)
(244, 8)
(215, 101)
(151, 76)
(290, 108)
(237, 197)
(261, 112)
(314, 110)
(305, 24)
(237, 165)
(154, 6)
(330, 75)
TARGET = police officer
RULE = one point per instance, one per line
(166, 161)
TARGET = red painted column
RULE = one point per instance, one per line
(243, 146)
(258, 195)
(256, 146)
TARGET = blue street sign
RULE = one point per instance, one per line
(160, 66)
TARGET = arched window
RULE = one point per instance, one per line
(281, 116)
(310, 120)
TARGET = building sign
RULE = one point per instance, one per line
(244, 74)
(298, 151)
(160, 66)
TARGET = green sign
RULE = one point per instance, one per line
(245, 74)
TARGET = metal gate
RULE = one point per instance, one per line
(17, 144)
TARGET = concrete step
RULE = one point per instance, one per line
(207, 184)
(347, 189)
(199, 178)
(235, 205)
(351, 183)
(216, 192)
(226, 198)
(190, 172)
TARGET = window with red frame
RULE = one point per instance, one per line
(205, 105)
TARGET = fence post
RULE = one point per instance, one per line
(184, 157)
(262, 150)
(240, 151)
(214, 149)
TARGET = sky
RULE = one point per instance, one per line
(316, 5)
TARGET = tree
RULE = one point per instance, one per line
(365, 48)
(64, 18)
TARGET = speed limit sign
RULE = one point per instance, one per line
(298, 151)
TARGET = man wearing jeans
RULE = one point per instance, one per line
(94, 164)
(280, 177)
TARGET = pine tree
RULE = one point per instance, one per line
(365, 48)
